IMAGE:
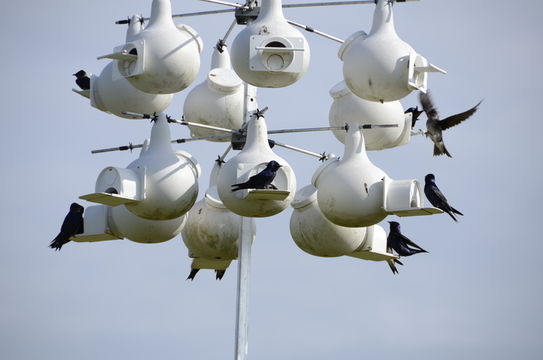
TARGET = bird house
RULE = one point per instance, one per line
(379, 66)
(162, 58)
(315, 234)
(248, 162)
(160, 185)
(269, 52)
(112, 93)
(95, 225)
(218, 101)
(349, 107)
(374, 246)
(351, 191)
(211, 233)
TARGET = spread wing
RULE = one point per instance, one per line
(428, 106)
(458, 118)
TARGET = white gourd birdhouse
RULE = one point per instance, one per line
(349, 107)
(252, 159)
(353, 192)
(269, 52)
(160, 185)
(316, 235)
(103, 222)
(379, 66)
(218, 101)
(212, 232)
(162, 58)
(111, 92)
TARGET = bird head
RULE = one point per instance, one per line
(80, 74)
(75, 207)
(429, 178)
(273, 165)
(394, 225)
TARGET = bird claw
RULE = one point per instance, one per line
(324, 157)
(260, 113)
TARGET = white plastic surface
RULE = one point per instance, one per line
(315, 234)
(248, 162)
(272, 69)
(112, 93)
(349, 107)
(95, 224)
(351, 193)
(376, 67)
(218, 101)
(168, 56)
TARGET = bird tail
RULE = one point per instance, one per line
(392, 266)
(192, 274)
(456, 211)
(452, 215)
(438, 151)
(56, 243)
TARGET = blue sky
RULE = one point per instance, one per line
(476, 295)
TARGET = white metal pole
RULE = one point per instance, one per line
(244, 254)
(242, 306)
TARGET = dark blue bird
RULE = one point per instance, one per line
(415, 113)
(262, 180)
(401, 244)
(73, 224)
(436, 198)
(82, 80)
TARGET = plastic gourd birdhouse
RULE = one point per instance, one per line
(316, 235)
(269, 52)
(353, 192)
(162, 58)
(347, 106)
(379, 66)
(218, 101)
(111, 92)
(103, 222)
(254, 157)
(160, 185)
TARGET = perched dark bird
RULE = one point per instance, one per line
(82, 80)
(401, 244)
(73, 224)
(392, 265)
(192, 274)
(415, 113)
(262, 180)
(437, 198)
(435, 126)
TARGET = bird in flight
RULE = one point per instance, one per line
(73, 224)
(435, 126)
(436, 197)
(400, 243)
(262, 180)
(82, 80)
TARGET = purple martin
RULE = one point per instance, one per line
(82, 80)
(437, 198)
(415, 113)
(400, 243)
(435, 126)
(73, 224)
(262, 180)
